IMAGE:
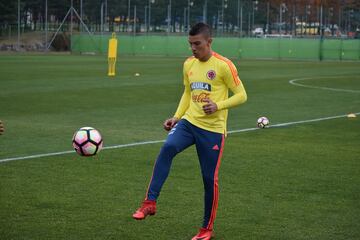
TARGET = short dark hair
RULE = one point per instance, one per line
(202, 28)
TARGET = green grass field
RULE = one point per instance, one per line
(300, 181)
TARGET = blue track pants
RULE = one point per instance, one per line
(209, 147)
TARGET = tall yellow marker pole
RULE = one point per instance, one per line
(112, 53)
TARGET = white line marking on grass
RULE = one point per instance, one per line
(72, 151)
(292, 123)
(35, 156)
(160, 141)
(294, 82)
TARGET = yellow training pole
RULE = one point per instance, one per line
(112, 53)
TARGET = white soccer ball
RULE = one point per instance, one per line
(87, 141)
(262, 122)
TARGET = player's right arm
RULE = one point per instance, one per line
(183, 104)
(1, 127)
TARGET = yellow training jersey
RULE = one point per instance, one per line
(211, 79)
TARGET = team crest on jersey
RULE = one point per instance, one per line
(211, 74)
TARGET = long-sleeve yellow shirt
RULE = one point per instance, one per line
(211, 79)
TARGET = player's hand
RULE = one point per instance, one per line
(210, 107)
(1, 127)
(170, 123)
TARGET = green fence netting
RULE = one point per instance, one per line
(246, 48)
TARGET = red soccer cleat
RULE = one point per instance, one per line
(148, 207)
(204, 234)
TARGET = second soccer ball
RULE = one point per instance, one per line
(262, 122)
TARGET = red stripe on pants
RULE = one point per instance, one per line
(216, 188)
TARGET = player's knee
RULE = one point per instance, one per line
(170, 147)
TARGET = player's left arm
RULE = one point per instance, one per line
(233, 82)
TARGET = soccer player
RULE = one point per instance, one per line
(200, 119)
(1, 127)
